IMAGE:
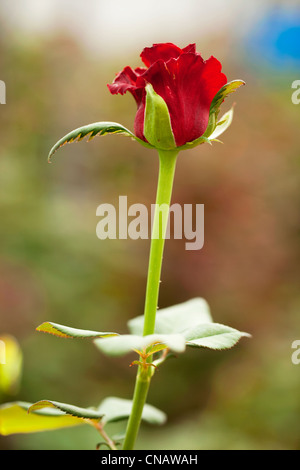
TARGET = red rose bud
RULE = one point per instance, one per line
(186, 94)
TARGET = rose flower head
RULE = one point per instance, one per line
(178, 96)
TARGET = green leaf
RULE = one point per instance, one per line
(93, 130)
(175, 319)
(230, 87)
(116, 409)
(123, 344)
(14, 419)
(75, 411)
(222, 125)
(191, 319)
(47, 415)
(213, 336)
(68, 332)
(157, 123)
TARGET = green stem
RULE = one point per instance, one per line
(167, 164)
(139, 399)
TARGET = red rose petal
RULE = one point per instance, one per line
(164, 52)
(188, 85)
(129, 80)
(190, 48)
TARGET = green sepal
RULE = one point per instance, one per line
(195, 143)
(93, 130)
(226, 90)
(157, 122)
(211, 125)
(214, 110)
(222, 125)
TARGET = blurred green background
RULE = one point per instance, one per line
(56, 62)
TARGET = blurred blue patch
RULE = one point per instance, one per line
(274, 42)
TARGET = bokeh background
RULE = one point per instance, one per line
(56, 57)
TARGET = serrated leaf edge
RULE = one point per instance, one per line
(63, 335)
